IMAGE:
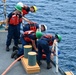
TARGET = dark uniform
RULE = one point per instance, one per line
(43, 44)
(14, 21)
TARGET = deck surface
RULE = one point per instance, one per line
(17, 69)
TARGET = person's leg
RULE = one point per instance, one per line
(45, 47)
(22, 40)
(15, 36)
(39, 56)
(9, 37)
(19, 41)
(20, 51)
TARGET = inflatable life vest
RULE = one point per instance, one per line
(33, 27)
(26, 33)
(50, 39)
(15, 19)
(25, 10)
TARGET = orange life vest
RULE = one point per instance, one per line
(26, 33)
(49, 37)
(15, 19)
(33, 27)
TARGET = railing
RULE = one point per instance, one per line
(56, 57)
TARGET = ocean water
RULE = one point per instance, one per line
(60, 17)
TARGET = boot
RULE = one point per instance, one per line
(7, 49)
(19, 42)
(39, 63)
(16, 56)
(49, 65)
(15, 48)
(14, 53)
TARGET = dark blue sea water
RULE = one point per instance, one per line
(60, 17)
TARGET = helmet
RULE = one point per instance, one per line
(18, 7)
(59, 37)
(45, 27)
(35, 8)
(20, 4)
(38, 34)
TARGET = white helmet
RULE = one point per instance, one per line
(44, 26)
(20, 4)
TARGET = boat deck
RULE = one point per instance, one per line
(17, 69)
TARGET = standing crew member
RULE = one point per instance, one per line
(43, 44)
(13, 21)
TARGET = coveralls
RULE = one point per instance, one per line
(12, 32)
(43, 44)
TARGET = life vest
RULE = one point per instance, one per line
(33, 27)
(20, 20)
(25, 11)
(26, 33)
(49, 37)
(15, 19)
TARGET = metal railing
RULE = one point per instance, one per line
(56, 57)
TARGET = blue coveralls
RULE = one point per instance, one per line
(21, 50)
(43, 44)
(12, 33)
(19, 30)
(26, 28)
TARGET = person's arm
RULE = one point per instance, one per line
(53, 46)
(6, 22)
(21, 29)
(34, 45)
(27, 20)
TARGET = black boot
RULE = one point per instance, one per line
(39, 63)
(49, 65)
(16, 56)
(15, 48)
(14, 53)
(7, 49)
(19, 42)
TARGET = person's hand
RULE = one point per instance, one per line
(23, 34)
(52, 49)
(6, 27)
(36, 50)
